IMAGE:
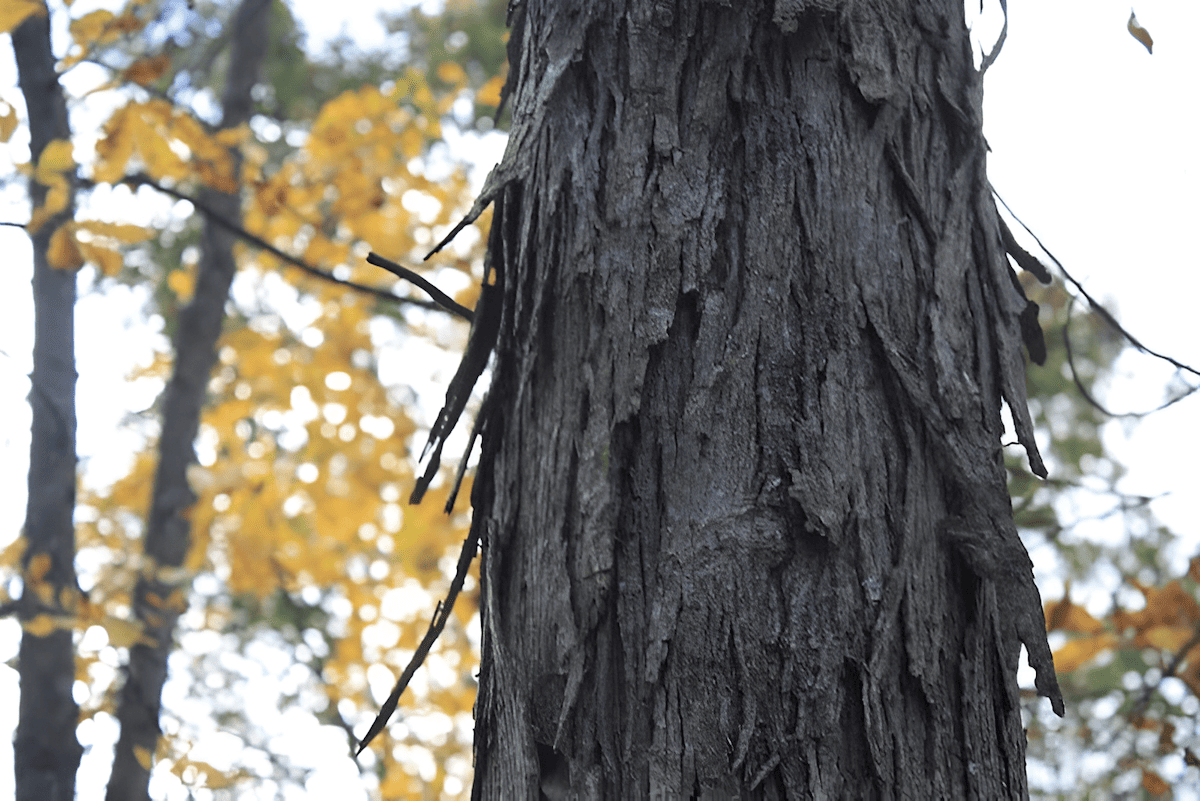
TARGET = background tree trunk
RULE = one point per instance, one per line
(46, 751)
(742, 501)
(159, 597)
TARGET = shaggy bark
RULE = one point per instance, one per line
(159, 598)
(46, 751)
(742, 501)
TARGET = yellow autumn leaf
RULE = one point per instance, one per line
(115, 148)
(182, 282)
(232, 137)
(1140, 33)
(8, 121)
(57, 157)
(489, 93)
(63, 252)
(1078, 652)
(42, 625)
(95, 28)
(125, 633)
(1168, 638)
(146, 71)
(39, 566)
(144, 757)
(1067, 616)
(107, 260)
(122, 232)
(14, 12)
(451, 72)
(1153, 783)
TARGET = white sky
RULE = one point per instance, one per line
(1093, 145)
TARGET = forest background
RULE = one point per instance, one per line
(310, 579)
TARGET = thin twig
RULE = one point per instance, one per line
(438, 295)
(1087, 396)
(1103, 312)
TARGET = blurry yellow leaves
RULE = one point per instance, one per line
(8, 121)
(100, 27)
(1167, 623)
(182, 282)
(1078, 652)
(53, 165)
(451, 72)
(143, 756)
(1066, 616)
(124, 633)
(63, 252)
(168, 142)
(146, 71)
(14, 12)
(75, 243)
(489, 93)
(1140, 33)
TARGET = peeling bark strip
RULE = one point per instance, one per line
(743, 506)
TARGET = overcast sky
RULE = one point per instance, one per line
(1093, 144)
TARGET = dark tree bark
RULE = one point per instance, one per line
(742, 500)
(46, 751)
(158, 597)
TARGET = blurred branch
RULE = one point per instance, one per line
(1096, 306)
(142, 179)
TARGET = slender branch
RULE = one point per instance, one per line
(1087, 396)
(408, 275)
(1099, 309)
(141, 179)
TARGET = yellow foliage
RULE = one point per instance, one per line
(39, 566)
(107, 260)
(1078, 652)
(42, 625)
(143, 756)
(125, 633)
(489, 93)
(125, 233)
(14, 12)
(183, 283)
(146, 71)
(98, 27)
(451, 72)
(1066, 616)
(8, 120)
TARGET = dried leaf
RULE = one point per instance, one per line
(1140, 33)
(146, 71)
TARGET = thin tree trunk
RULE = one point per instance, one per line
(159, 598)
(46, 751)
(742, 499)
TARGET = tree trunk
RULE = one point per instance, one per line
(742, 499)
(46, 751)
(159, 597)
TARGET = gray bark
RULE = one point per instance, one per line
(46, 751)
(168, 531)
(742, 501)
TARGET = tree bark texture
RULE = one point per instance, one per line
(742, 500)
(159, 598)
(46, 750)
